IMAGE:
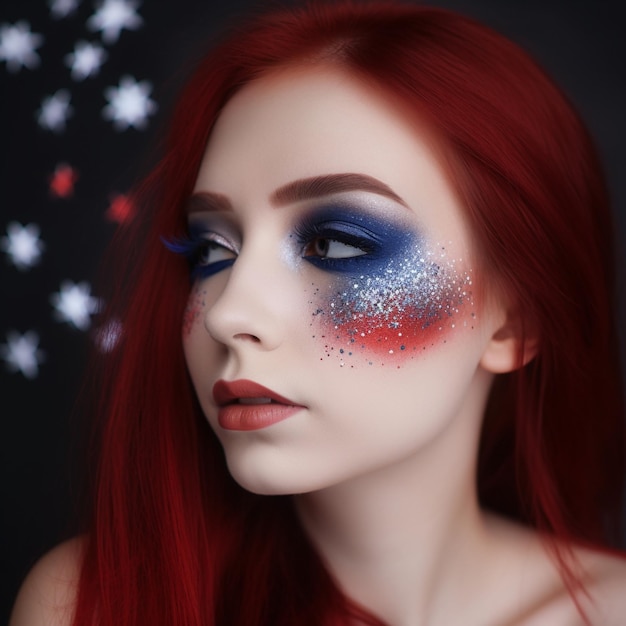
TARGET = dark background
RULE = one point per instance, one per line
(580, 43)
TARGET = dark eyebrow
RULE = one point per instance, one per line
(208, 201)
(307, 188)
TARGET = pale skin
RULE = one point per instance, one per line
(381, 460)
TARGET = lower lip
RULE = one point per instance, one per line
(254, 416)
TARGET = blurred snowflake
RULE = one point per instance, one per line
(18, 45)
(112, 16)
(85, 60)
(129, 104)
(21, 353)
(74, 304)
(63, 180)
(55, 110)
(62, 8)
(22, 245)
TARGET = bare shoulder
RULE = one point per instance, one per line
(48, 593)
(532, 582)
(603, 601)
(606, 584)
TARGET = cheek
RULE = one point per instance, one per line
(396, 313)
(193, 311)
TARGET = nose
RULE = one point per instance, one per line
(249, 310)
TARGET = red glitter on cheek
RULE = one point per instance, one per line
(394, 315)
(411, 332)
(193, 311)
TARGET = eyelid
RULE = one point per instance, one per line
(332, 217)
(373, 217)
(221, 241)
(347, 228)
(219, 230)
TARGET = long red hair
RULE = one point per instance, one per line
(171, 538)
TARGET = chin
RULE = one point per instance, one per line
(263, 485)
(270, 481)
(257, 479)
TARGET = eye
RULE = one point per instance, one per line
(213, 248)
(328, 248)
(206, 252)
(337, 240)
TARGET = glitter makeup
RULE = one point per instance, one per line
(393, 295)
(195, 306)
(389, 294)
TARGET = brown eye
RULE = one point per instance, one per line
(327, 248)
(320, 246)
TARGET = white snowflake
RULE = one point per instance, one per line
(112, 16)
(85, 60)
(22, 245)
(129, 104)
(62, 8)
(55, 110)
(21, 354)
(18, 45)
(74, 304)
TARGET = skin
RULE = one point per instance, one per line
(259, 319)
(381, 457)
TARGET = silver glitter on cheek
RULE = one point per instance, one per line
(291, 255)
(400, 309)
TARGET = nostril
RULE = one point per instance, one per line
(247, 337)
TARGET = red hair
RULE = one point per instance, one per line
(172, 539)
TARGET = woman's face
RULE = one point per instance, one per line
(332, 268)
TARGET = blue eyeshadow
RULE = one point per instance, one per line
(378, 238)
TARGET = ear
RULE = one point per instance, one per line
(511, 346)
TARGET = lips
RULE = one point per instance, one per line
(246, 405)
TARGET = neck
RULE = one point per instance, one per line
(405, 540)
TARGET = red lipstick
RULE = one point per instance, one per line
(246, 405)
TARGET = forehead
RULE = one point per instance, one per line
(301, 123)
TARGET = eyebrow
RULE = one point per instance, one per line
(301, 189)
(208, 201)
(307, 188)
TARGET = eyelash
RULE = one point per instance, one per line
(343, 232)
(193, 245)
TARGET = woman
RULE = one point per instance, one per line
(398, 329)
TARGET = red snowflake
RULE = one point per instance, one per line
(120, 209)
(62, 181)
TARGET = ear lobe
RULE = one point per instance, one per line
(509, 348)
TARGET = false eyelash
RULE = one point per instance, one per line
(184, 246)
(187, 244)
(190, 247)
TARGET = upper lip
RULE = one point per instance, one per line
(225, 392)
